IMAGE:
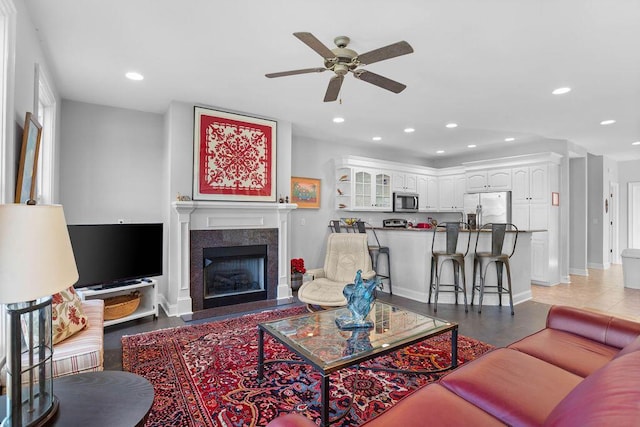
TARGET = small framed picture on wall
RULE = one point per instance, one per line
(26, 183)
(305, 192)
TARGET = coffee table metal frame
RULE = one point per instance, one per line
(316, 339)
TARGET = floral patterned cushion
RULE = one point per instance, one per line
(67, 314)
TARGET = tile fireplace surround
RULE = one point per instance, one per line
(195, 215)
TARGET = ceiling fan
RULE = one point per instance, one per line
(342, 60)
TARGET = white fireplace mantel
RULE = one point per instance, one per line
(204, 215)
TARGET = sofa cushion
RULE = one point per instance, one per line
(609, 330)
(634, 346)
(430, 406)
(574, 353)
(67, 315)
(514, 387)
(609, 396)
(82, 352)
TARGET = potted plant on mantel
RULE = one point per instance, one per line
(297, 270)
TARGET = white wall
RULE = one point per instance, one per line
(577, 213)
(28, 52)
(595, 206)
(111, 164)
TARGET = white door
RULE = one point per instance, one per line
(520, 215)
(432, 192)
(520, 185)
(499, 179)
(476, 181)
(538, 184)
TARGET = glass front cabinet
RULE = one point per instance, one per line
(370, 190)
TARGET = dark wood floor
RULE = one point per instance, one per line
(495, 325)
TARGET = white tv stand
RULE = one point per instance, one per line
(148, 296)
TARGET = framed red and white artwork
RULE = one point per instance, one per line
(234, 157)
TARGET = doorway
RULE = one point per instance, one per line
(634, 215)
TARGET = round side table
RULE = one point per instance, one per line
(100, 399)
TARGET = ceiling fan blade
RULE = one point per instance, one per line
(315, 44)
(380, 81)
(294, 72)
(387, 52)
(333, 90)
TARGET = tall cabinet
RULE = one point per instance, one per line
(532, 209)
(531, 196)
(532, 180)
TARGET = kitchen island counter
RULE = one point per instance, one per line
(411, 262)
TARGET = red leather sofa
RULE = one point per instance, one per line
(583, 369)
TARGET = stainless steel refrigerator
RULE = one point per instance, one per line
(488, 207)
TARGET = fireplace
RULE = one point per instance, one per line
(234, 274)
(233, 266)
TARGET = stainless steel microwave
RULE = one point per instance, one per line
(405, 202)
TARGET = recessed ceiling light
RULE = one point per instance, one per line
(338, 119)
(509, 139)
(471, 146)
(377, 138)
(561, 91)
(452, 125)
(607, 122)
(439, 151)
(132, 75)
(635, 143)
(409, 130)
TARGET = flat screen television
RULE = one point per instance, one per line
(116, 254)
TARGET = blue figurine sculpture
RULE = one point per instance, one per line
(360, 296)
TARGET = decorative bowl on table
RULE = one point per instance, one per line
(350, 221)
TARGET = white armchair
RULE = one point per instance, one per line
(346, 254)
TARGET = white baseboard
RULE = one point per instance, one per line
(579, 271)
(596, 266)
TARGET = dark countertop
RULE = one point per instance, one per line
(350, 229)
(431, 229)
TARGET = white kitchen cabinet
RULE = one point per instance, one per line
(428, 192)
(539, 258)
(451, 192)
(361, 189)
(404, 182)
(488, 180)
(530, 197)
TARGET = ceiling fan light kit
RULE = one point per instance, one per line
(342, 60)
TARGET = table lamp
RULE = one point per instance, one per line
(36, 261)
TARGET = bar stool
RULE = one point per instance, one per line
(375, 252)
(438, 258)
(482, 260)
(335, 225)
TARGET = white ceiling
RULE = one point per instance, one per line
(489, 66)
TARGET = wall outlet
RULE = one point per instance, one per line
(303, 221)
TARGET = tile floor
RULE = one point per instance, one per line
(602, 290)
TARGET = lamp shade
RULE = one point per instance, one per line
(36, 257)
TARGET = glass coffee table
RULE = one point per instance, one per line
(319, 342)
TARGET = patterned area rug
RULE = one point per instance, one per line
(206, 375)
